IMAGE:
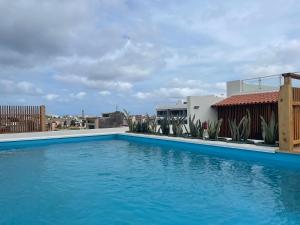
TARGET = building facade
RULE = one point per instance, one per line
(200, 106)
(177, 110)
(236, 106)
(107, 120)
(92, 122)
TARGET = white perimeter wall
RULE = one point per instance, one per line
(205, 112)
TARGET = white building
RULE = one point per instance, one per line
(92, 122)
(200, 106)
(177, 110)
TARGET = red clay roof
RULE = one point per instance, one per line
(247, 99)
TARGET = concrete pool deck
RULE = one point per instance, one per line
(248, 147)
(122, 130)
(60, 134)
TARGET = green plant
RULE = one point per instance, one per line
(234, 130)
(164, 126)
(246, 126)
(195, 128)
(242, 130)
(152, 121)
(177, 125)
(214, 129)
(138, 127)
(269, 130)
(131, 124)
(144, 127)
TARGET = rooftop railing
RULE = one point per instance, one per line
(262, 84)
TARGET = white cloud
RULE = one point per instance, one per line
(79, 95)
(189, 87)
(95, 84)
(10, 87)
(221, 85)
(143, 95)
(104, 93)
(179, 88)
(180, 92)
(131, 49)
(129, 63)
(65, 98)
(51, 97)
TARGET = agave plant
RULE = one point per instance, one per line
(145, 127)
(131, 124)
(164, 126)
(195, 128)
(152, 123)
(246, 126)
(234, 130)
(177, 125)
(241, 131)
(214, 129)
(138, 127)
(269, 130)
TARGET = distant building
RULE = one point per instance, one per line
(92, 122)
(200, 106)
(114, 119)
(107, 120)
(63, 122)
(177, 110)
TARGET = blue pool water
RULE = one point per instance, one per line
(127, 181)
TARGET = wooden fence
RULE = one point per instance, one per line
(19, 119)
(237, 112)
(296, 115)
(289, 114)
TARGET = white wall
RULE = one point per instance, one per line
(200, 106)
(233, 87)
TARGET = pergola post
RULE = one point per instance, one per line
(42, 118)
(285, 115)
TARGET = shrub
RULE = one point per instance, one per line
(131, 125)
(177, 125)
(152, 124)
(269, 130)
(195, 127)
(234, 130)
(241, 131)
(214, 129)
(165, 126)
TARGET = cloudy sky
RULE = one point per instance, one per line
(96, 54)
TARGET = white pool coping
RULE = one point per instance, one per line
(248, 147)
(122, 131)
(60, 134)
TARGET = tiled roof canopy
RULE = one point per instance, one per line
(247, 99)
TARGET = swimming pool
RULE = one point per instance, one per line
(119, 179)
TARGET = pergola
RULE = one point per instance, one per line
(289, 114)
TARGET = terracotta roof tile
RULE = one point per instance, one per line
(247, 99)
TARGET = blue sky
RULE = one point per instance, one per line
(94, 55)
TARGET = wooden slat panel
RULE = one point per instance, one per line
(296, 115)
(17, 119)
(232, 112)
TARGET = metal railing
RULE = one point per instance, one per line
(262, 84)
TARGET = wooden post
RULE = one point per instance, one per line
(42, 118)
(285, 115)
